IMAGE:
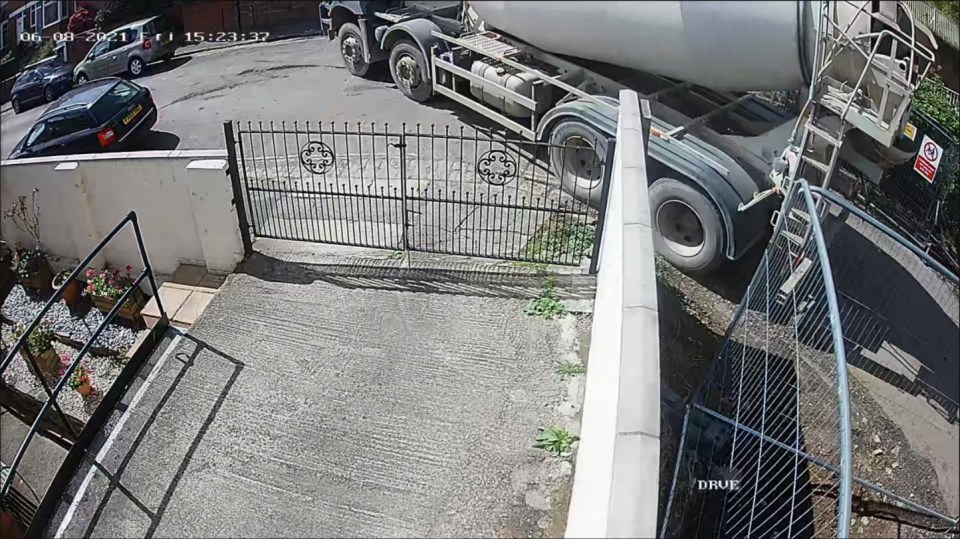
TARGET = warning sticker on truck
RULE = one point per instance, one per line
(910, 131)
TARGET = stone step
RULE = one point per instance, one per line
(184, 296)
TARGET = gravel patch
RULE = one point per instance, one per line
(117, 336)
(103, 371)
(79, 325)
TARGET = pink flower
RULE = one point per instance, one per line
(128, 267)
(90, 273)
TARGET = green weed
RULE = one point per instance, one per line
(555, 440)
(568, 369)
(546, 305)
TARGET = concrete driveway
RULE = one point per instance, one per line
(301, 79)
(317, 398)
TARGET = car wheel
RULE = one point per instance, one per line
(688, 228)
(408, 68)
(351, 49)
(135, 67)
(82, 79)
(15, 103)
(48, 94)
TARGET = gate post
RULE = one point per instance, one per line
(234, 172)
(604, 196)
(405, 218)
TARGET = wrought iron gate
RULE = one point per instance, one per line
(419, 189)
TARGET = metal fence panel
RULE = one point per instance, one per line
(773, 416)
(816, 454)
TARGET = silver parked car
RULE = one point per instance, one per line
(129, 49)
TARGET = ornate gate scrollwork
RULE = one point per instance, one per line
(316, 157)
(496, 167)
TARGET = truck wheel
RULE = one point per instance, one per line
(408, 68)
(351, 49)
(576, 156)
(689, 229)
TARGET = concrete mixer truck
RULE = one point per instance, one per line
(719, 154)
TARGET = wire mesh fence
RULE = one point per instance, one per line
(766, 442)
(927, 212)
(899, 315)
(832, 406)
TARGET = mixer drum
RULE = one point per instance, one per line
(736, 46)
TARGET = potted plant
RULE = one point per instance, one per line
(71, 287)
(79, 380)
(30, 264)
(40, 347)
(106, 286)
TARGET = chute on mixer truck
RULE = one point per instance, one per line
(552, 71)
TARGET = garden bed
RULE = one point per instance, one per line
(72, 327)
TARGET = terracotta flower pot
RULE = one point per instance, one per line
(84, 389)
(71, 290)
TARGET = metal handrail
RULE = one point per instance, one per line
(896, 36)
(145, 274)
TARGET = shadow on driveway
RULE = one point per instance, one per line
(108, 500)
(386, 275)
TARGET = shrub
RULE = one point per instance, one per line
(931, 98)
(81, 20)
(40, 339)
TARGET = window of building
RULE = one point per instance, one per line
(3, 34)
(52, 13)
(36, 17)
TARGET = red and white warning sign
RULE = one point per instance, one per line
(928, 159)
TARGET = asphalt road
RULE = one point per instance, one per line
(300, 79)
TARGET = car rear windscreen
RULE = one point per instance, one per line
(65, 124)
(111, 102)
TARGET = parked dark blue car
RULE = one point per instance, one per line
(41, 84)
(98, 116)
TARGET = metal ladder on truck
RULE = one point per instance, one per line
(876, 105)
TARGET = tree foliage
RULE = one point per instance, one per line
(932, 98)
(950, 8)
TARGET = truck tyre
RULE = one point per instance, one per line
(409, 70)
(351, 49)
(688, 227)
(577, 150)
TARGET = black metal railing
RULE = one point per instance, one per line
(418, 189)
(79, 441)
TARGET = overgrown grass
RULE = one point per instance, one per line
(560, 239)
(546, 305)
